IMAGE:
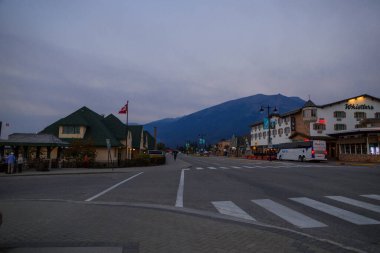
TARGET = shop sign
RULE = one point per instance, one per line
(358, 107)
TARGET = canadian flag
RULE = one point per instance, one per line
(124, 109)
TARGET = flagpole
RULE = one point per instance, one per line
(126, 135)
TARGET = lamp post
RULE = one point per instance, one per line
(262, 109)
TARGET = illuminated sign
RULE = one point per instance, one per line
(358, 107)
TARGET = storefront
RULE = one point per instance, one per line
(361, 145)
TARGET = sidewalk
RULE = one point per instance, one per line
(79, 226)
(170, 164)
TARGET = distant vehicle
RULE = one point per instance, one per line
(303, 151)
(156, 153)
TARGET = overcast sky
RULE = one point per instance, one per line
(172, 58)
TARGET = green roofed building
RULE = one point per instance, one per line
(104, 133)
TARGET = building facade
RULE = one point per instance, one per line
(111, 138)
(351, 128)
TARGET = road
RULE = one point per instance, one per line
(339, 203)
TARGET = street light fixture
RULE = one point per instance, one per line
(262, 109)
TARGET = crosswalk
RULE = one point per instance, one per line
(216, 167)
(301, 220)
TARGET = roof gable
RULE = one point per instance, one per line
(96, 131)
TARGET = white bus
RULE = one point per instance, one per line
(303, 151)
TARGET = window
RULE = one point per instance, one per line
(255, 136)
(287, 130)
(286, 120)
(347, 149)
(339, 114)
(274, 132)
(264, 134)
(309, 113)
(260, 135)
(319, 127)
(360, 115)
(280, 120)
(377, 115)
(280, 131)
(70, 130)
(340, 127)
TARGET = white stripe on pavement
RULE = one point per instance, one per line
(229, 208)
(112, 187)
(211, 168)
(357, 203)
(372, 196)
(235, 167)
(179, 200)
(224, 168)
(199, 168)
(291, 216)
(337, 212)
(248, 167)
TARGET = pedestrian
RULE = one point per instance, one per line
(20, 163)
(175, 152)
(11, 159)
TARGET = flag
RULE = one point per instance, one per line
(124, 109)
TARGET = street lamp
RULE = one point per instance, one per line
(262, 109)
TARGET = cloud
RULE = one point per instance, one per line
(174, 59)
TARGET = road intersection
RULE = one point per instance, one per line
(323, 200)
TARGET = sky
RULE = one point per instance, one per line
(173, 58)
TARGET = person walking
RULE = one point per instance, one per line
(11, 159)
(20, 163)
(175, 153)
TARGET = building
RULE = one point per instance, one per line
(351, 128)
(106, 134)
(32, 146)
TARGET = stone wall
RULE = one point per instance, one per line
(359, 158)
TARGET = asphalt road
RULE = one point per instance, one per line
(335, 202)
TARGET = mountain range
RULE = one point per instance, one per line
(221, 121)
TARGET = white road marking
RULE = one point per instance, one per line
(211, 168)
(235, 167)
(229, 208)
(179, 200)
(357, 203)
(291, 216)
(372, 196)
(337, 212)
(224, 168)
(248, 167)
(199, 168)
(112, 187)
